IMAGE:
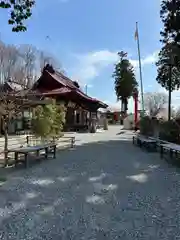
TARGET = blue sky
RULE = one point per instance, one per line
(86, 35)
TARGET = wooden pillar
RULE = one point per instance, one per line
(74, 122)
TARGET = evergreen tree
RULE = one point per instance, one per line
(170, 16)
(19, 11)
(169, 56)
(48, 120)
(125, 80)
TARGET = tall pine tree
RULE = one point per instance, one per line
(170, 16)
(169, 56)
(125, 80)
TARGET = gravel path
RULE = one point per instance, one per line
(104, 189)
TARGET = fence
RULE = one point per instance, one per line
(30, 140)
(64, 141)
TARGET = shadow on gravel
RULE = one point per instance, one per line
(101, 183)
(122, 132)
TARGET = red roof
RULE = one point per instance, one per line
(68, 82)
(56, 91)
(66, 85)
(54, 76)
(63, 80)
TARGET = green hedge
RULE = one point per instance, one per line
(170, 131)
(48, 120)
(167, 130)
(146, 126)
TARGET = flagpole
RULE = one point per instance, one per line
(140, 69)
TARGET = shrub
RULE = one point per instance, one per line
(146, 126)
(169, 131)
(48, 120)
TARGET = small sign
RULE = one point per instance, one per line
(71, 104)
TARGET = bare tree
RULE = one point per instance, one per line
(45, 58)
(176, 114)
(2, 54)
(19, 75)
(11, 104)
(173, 112)
(11, 59)
(29, 56)
(24, 63)
(154, 102)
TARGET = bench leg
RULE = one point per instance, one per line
(133, 139)
(143, 144)
(155, 147)
(72, 142)
(176, 153)
(148, 146)
(171, 153)
(26, 160)
(161, 151)
(46, 153)
(16, 158)
(54, 152)
(152, 147)
(37, 153)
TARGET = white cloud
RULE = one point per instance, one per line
(91, 64)
(149, 59)
(149, 86)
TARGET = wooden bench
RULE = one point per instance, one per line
(33, 141)
(71, 140)
(172, 148)
(26, 151)
(144, 141)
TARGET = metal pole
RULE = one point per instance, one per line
(170, 83)
(169, 98)
(140, 69)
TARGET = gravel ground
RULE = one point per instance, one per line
(105, 188)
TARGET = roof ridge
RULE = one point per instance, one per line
(67, 78)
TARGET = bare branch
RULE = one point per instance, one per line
(154, 103)
(29, 56)
(45, 58)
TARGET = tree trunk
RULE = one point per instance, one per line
(5, 144)
(169, 96)
(125, 103)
